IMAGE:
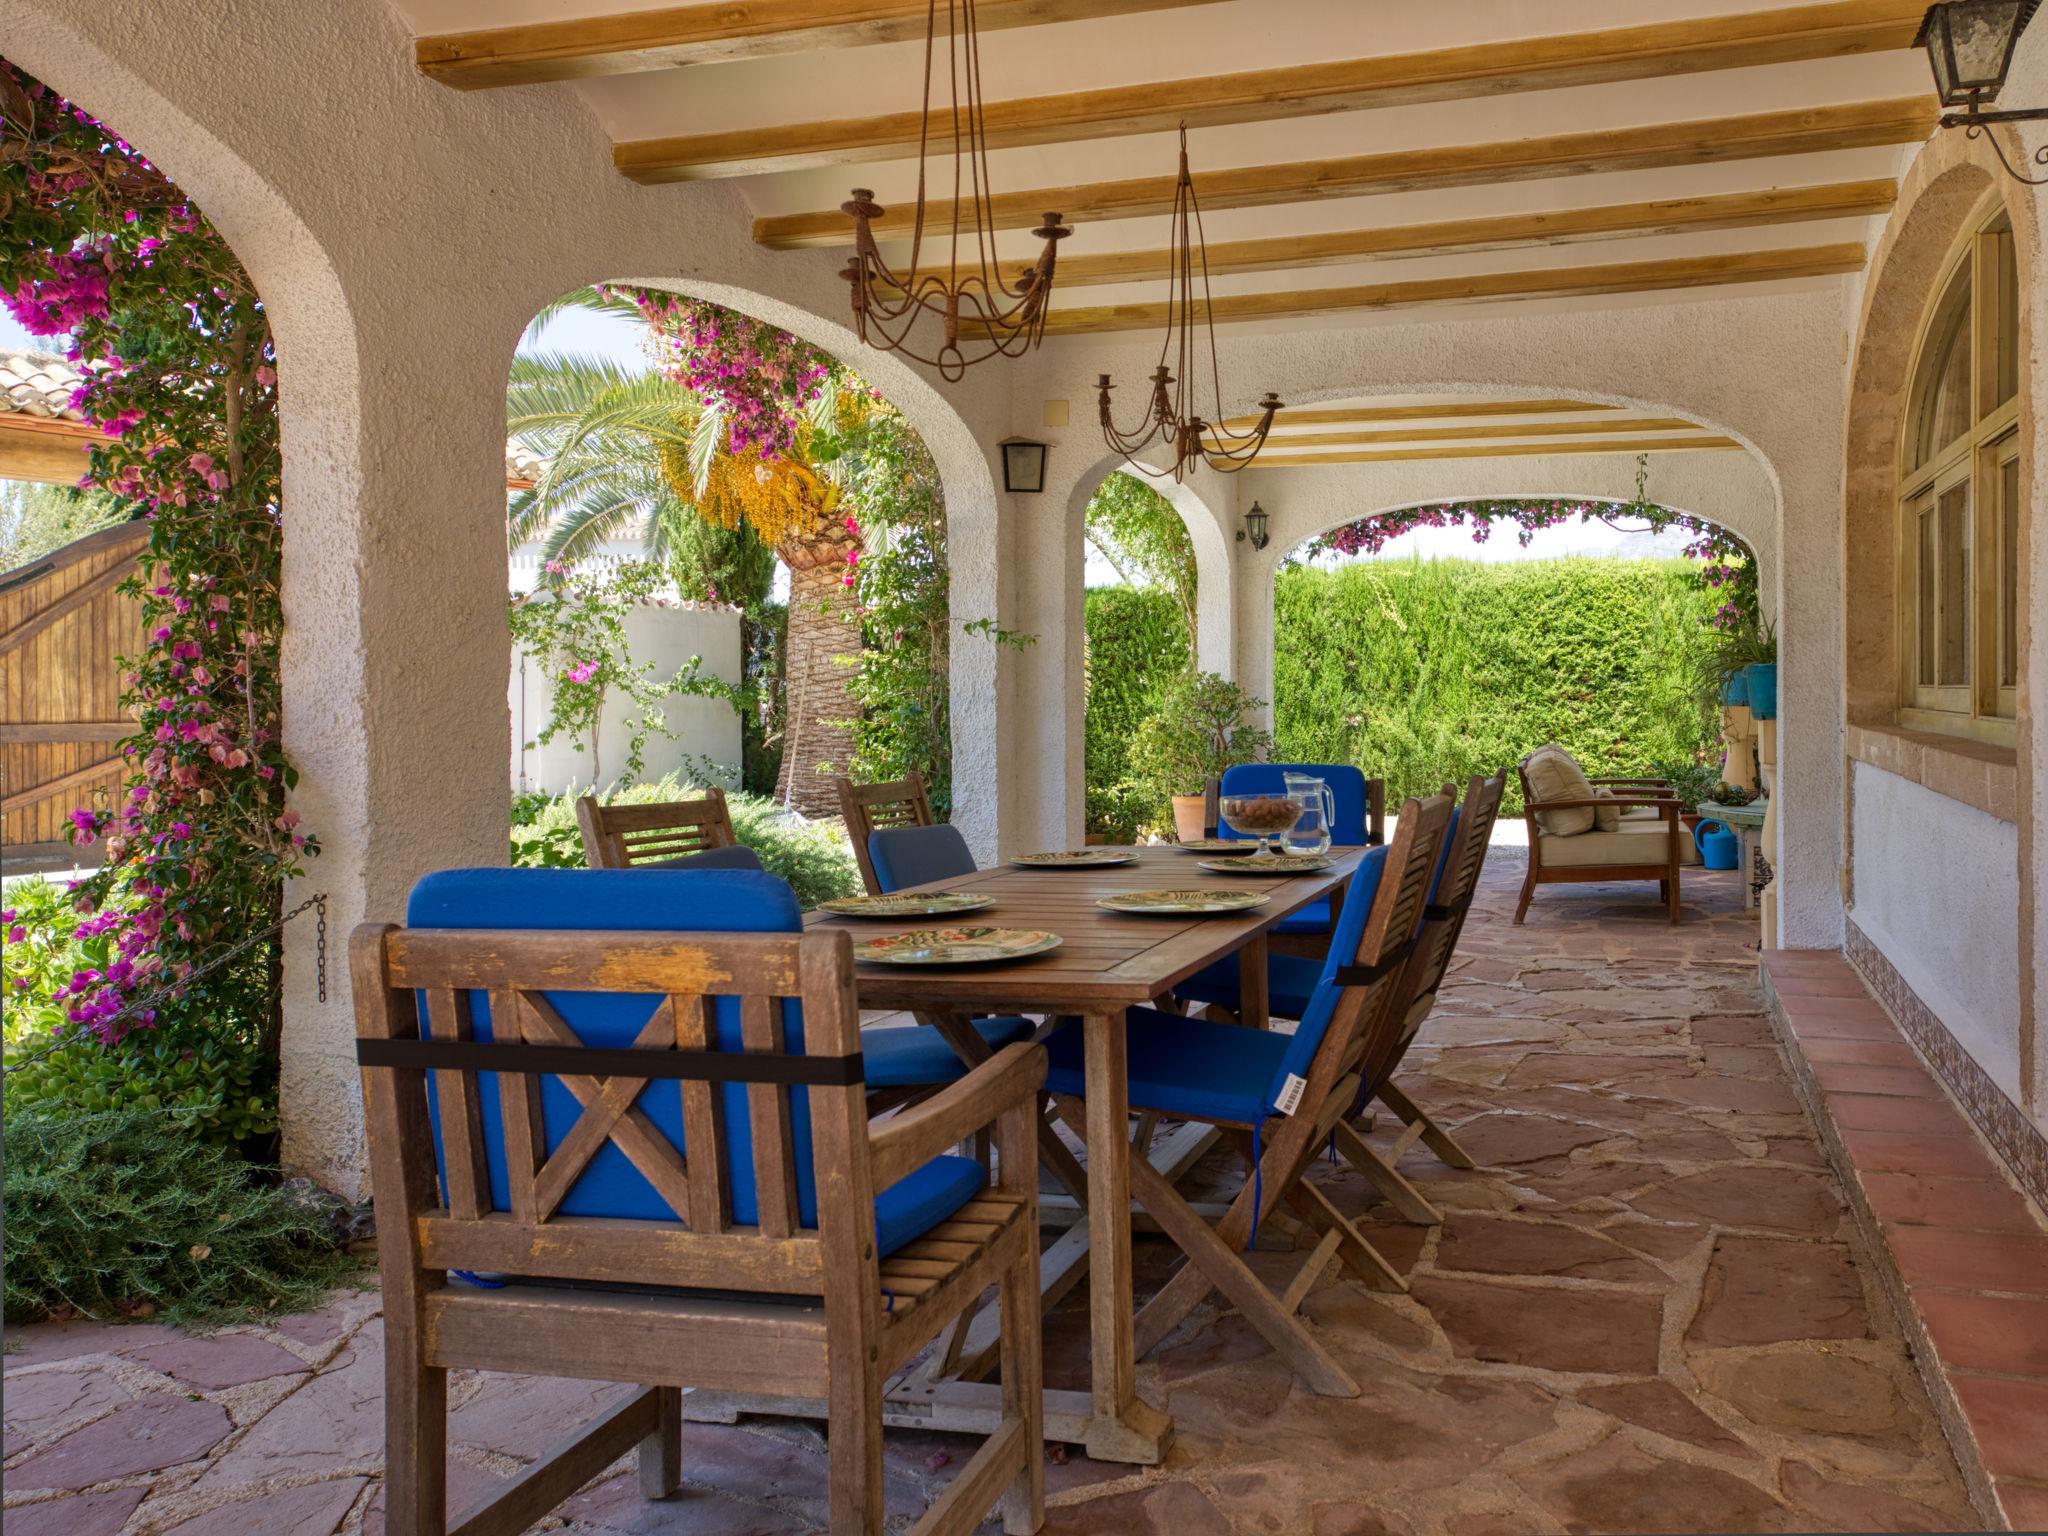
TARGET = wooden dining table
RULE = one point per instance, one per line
(1106, 963)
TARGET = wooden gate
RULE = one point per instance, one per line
(62, 627)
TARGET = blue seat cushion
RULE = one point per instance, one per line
(1290, 980)
(711, 858)
(675, 901)
(907, 856)
(1189, 1068)
(917, 1055)
(1311, 919)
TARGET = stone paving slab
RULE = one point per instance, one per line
(1649, 1309)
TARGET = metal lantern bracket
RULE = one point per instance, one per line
(1969, 77)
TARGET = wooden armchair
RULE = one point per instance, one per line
(1649, 846)
(868, 808)
(621, 836)
(674, 1194)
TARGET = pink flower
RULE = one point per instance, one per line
(583, 672)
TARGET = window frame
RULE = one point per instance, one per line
(1982, 705)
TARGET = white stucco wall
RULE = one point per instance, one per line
(705, 740)
(1937, 890)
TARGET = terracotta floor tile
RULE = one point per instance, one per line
(2008, 1334)
(2010, 1421)
(1804, 1007)
(1847, 1077)
(1886, 1112)
(1846, 984)
(1979, 1205)
(1848, 1024)
(1976, 1261)
(2026, 1507)
(1864, 1053)
(1946, 1156)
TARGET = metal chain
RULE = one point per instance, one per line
(142, 1005)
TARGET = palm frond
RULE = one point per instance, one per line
(706, 441)
(581, 298)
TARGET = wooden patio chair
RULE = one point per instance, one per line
(638, 836)
(1649, 844)
(1277, 1096)
(868, 808)
(674, 1178)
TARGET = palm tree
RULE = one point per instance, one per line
(637, 452)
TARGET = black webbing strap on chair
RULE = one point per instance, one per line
(585, 1061)
(1366, 975)
(1447, 911)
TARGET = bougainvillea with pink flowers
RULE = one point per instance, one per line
(106, 255)
(763, 377)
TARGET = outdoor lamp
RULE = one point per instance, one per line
(1969, 47)
(1023, 464)
(1255, 527)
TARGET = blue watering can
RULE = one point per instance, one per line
(1719, 848)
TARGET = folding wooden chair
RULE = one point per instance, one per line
(658, 1141)
(1278, 1095)
(626, 836)
(868, 808)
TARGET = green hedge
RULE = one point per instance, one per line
(1426, 671)
(1137, 641)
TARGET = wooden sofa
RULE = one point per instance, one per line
(1647, 841)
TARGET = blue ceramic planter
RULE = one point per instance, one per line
(1735, 692)
(1762, 679)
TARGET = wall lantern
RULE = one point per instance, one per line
(1255, 528)
(1023, 464)
(1969, 47)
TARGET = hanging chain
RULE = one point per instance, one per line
(142, 1005)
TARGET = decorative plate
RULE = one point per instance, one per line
(930, 904)
(1184, 903)
(955, 946)
(1275, 864)
(1233, 846)
(1078, 858)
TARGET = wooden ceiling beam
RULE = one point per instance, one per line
(1646, 146)
(1567, 226)
(1691, 45)
(669, 38)
(1664, 425)
(1482, 287)
(1348, 415)
(1270, 460)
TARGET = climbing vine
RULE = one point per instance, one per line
(104, 252)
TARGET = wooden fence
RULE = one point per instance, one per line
(63, 627)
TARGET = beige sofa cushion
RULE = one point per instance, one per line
(1605, 817)
(1553, 775)
(1631, 842)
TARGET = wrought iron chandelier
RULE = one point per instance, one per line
(969, 299)
(1171, 415)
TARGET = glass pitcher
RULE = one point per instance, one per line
(1311, 833)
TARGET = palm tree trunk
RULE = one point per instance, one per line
(818, 703)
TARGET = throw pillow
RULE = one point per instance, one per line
(1553, 775)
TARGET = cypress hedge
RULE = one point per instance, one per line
(1137, 641)
(1427, 671)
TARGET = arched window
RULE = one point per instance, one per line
(1959, 496)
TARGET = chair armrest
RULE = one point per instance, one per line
(1622, 802)
(1644, 779)
(906, 1142)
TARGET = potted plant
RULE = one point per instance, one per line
(1197, 731)
(1692, 783)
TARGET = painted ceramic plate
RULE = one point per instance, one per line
(1233, 846)
(955, 946)
(930, 904)
(1278, 864)
(1079, 858)
(1184, 903)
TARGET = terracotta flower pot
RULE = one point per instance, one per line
(1187, 817)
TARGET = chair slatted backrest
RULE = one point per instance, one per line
(1457, 880)
(723, 1072)
(868, 808)
(622, 836)
(1369, 951)
(1361, 803)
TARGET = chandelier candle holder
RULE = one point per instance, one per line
(967, 296)
(1171, 415)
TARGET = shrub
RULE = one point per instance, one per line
(1198, 730)
(812, 856)
(121, 1214)
(1137, 644)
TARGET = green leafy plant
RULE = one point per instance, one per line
(1693, 781)
(813, 856)
(1197, 731)
(1136, 530)
(1731, 794)
(1138, 642)
(127, 1214)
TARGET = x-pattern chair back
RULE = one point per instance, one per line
(621, 836)
(868, 808)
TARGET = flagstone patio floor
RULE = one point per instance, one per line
(1647, 1311)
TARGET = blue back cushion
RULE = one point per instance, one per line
(611, 900)
(907, 856)
(1347, 789)
(735, 857)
